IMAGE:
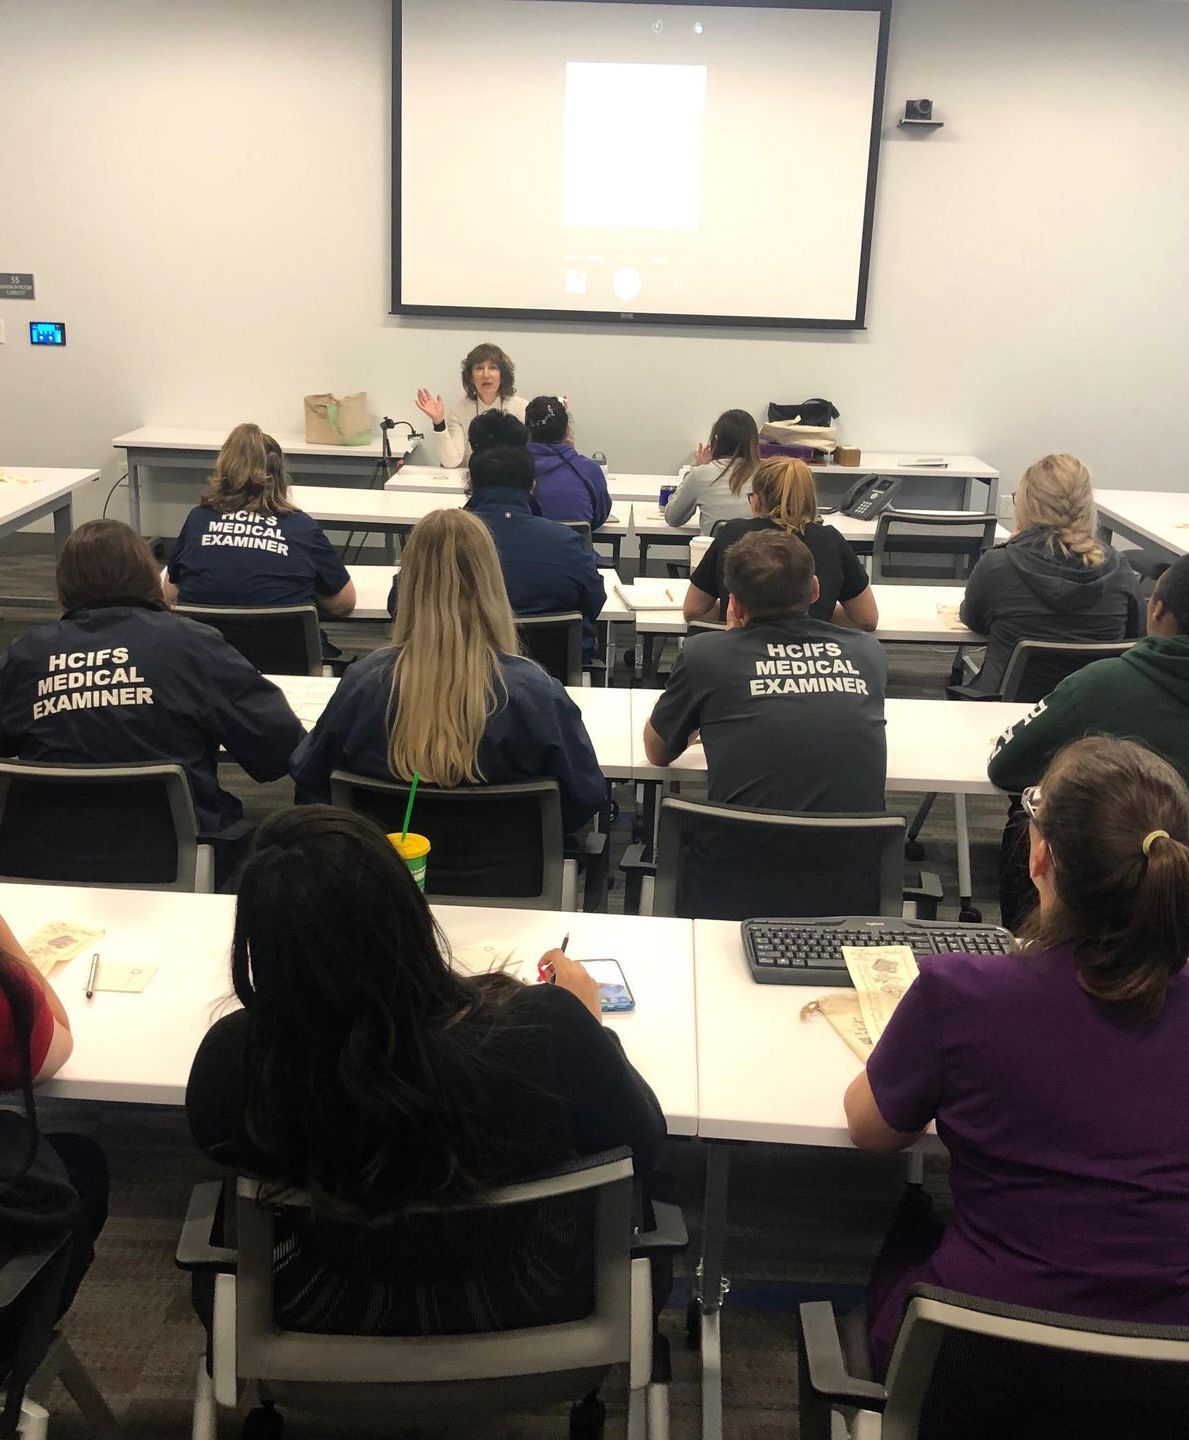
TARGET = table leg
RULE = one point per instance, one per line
(63, 523)
(134, 494)
(713, 1287)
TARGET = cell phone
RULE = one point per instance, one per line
(614, 995)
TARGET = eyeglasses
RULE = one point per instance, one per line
(1031, 801)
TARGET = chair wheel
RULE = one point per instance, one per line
(587, 1419)
(613, 811)
(693, 1324)
(969, 915)
(914, 850)
(264, 1423)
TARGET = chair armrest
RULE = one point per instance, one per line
(668, 1232)
(968, 692)
(195, 1250)
(590, 845)
(633, 861)
(926, 895)
(20, 1271)
(824, 1364)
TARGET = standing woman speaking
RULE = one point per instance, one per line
(488, 383)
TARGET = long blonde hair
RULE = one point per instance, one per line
(250, 475)
(453, 622)
(1057, 494)
(787, 493)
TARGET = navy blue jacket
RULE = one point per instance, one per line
(114, 683)
(570, 486)
(242, 558)
(535, 734)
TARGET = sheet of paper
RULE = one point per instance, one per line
(487, 955)
(10, 477)
(949, 617)
(59, 941)
(125, 979)
(845, 1015)
(881, 973)
(652, 596)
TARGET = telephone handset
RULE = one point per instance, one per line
(869, 495)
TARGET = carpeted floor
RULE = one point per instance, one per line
(803, 1223)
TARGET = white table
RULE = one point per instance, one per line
(621, 488)
(607, 715)
(48, 492)
(1147, 518)
(139, 1048)
(373, 582)
(169, 447)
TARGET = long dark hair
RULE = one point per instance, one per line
(734, 437)
(1116, 819)
(362, 1083)
(17, 994)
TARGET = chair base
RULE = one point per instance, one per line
(61, 1363)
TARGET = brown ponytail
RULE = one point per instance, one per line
(1124, 912)
(250, 475)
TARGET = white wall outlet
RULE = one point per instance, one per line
(1, 332)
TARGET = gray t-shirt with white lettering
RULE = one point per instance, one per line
(791, 713)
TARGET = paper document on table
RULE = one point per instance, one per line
(843, 1011)
(486, 956)
(59, 941)
(124, 979)
(307, 695)
(925, 462)
(8, 477)
(647, 596)
(882, 973)
(950, 617)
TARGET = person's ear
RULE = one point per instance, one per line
(736, 615)
(1040, 857)
(815, 593)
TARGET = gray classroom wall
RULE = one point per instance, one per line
(201, 187)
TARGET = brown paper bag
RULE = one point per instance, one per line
(331, 420)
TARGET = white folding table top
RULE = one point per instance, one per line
(606, 713)
(373, 582)
(35, 486)
(932, 744)
(1158, 517)
(622, 488)
(350, 506)
(788, 1089)
(139, 1048)
(292, 442)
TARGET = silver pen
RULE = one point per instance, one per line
(91, 976)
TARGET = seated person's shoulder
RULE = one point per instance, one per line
(525, 679)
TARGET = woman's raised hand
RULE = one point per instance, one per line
(431, 405)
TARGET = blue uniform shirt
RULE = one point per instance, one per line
(242, 558)
(112, 684)
(535, 734)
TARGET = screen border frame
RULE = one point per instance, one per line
(627, 318)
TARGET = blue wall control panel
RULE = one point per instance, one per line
(47, 332)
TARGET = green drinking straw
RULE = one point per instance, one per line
(409, 807)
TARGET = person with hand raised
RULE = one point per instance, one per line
(488, 383)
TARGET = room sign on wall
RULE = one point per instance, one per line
(14, 286)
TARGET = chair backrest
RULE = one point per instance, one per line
(1053, 1367)
(704, 627)
(127, 826)
(555, 643)
(278, 640)
(487, 842)
(717, 862)
(928, 548)
(522, 1283)
(1037, 667)
(582, 529)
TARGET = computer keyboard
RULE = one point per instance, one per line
(809, 952)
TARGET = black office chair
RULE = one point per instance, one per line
(719, 862)
(924, 548)
(1037, 667)
(33, 1355)
(490, 844)
(581, 528)
(278, 640)
(555, 643)
(125, 826)
(975, 1368)
(515, 1299)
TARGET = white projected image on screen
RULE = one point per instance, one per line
(633, 146)
(572, 157)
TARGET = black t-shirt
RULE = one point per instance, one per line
(791, 713)
(839, 571)
(565, 1088)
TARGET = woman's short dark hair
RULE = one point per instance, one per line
(503, 466)
(495, 427)
(770, 573)
(478, 356)
(1116, 819)
(547, 419)
(1172, 590)
(106, 560)
(362, 1082)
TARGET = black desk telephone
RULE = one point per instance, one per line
(869, 495)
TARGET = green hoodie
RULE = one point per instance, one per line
(1143, 695)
